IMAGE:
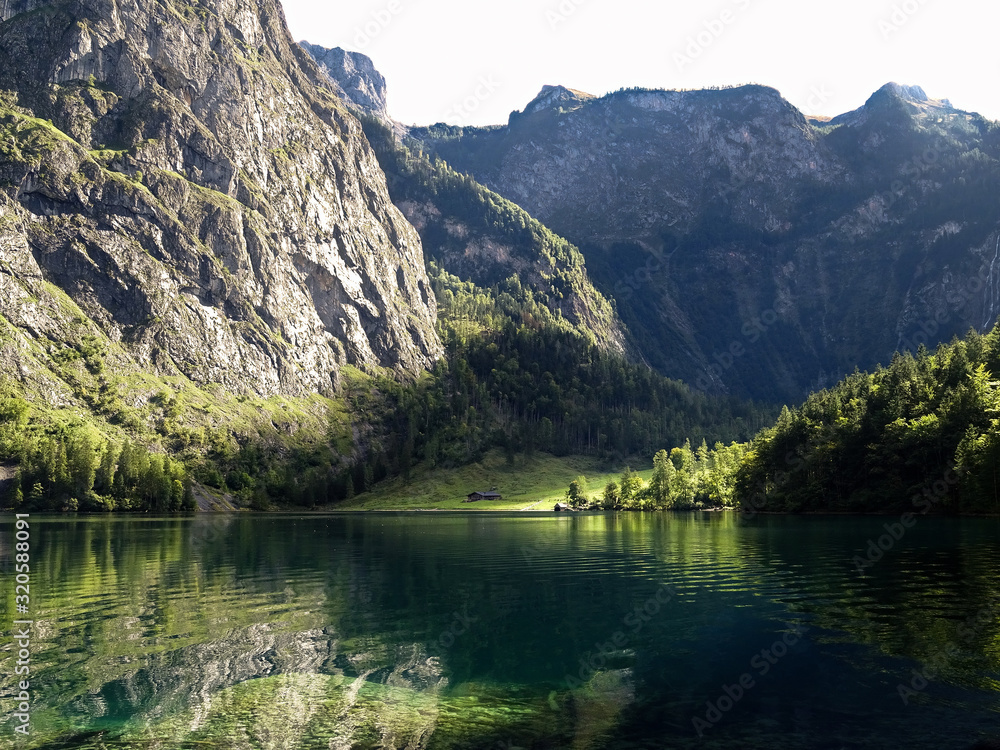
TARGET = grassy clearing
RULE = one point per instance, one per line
(535, 483)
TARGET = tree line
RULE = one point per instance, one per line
(515, 376)
(74, 467)
(681, 480)
(922, 432)
(921, 435)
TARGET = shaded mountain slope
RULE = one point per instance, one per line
(748, 250)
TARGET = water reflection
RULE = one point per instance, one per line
(451, 630)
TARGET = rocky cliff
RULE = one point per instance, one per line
(174, 186)
(749, 249)
(467, 229)
(354, 75)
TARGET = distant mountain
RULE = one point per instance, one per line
(553, 97)
(469, 230)
(481, 237)
(748, 249)
(355, 76)
(904, 101)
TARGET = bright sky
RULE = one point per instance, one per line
(472, 61)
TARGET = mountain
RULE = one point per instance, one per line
(907, 101)
(205, 286)
(470, 231)
(748, 249)
(355, 76)
(177, 193)
(554, 97)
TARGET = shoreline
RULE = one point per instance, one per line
(485, 511)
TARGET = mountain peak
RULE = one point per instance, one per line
(554, 97)
(355, 75)
(897, 103)
(563, 92)
(913, 94)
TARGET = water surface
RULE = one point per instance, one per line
(448, 630)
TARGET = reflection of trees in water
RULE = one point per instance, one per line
(454, 632)
(193, 617)
(910, 603)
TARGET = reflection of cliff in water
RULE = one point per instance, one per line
(394, 705)
(166, 682)
(179, 622)
(445, 631)
(305, 711)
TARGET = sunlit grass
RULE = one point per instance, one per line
(534, 483)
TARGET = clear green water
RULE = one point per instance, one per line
(432, 630)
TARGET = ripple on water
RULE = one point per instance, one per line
(357, 624)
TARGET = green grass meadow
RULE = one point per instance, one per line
(535, 483)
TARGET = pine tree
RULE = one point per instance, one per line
(105, 476)
(612, 498)
(663, 477)
(17, 496)
(577, 492)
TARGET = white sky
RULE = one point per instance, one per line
(472, 61)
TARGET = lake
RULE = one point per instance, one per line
(508, 630)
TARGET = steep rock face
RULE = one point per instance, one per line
(632, 164)
(750, 250)
(470, 247)
(175, 171)
(355, 75)
(467, 229)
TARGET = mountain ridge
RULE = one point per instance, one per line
(478, 235)
(684, 202)
(355, 76)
